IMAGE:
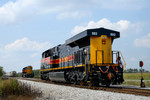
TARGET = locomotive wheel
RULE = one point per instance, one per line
(82, 83)
(107, 84)
(90, 84)
(96, 83)
(42, 77)
(74, 84)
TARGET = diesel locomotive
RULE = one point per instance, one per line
(27, 72)
(86, 58)
(9, 74)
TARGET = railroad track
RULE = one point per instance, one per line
(127, 90)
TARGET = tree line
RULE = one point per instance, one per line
(36, 72)
(1, 71)
(135, 70)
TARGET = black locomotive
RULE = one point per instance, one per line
(86, 58)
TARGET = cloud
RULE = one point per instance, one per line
(25, 44)
(22, 10)
(34, 55)
(75, 14)
(143, 41)
(144, 57)
(1, 47)
(123, 4)
(22, 52)
(124, 26)
(133, 59)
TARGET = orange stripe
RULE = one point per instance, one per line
(66, 67)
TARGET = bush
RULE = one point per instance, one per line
(12, 87)
(1, 71)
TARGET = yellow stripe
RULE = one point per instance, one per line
(82, 65)
(106, 64)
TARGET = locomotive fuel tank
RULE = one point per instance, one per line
(57, 76)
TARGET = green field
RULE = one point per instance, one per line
(134, 79)
(136, 76)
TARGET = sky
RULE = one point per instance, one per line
(29, 27)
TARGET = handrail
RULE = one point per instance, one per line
(105, 71)
(124, 64)
(86, 60)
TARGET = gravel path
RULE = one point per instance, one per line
(58, 92)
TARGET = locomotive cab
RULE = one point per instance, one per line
(102, 57)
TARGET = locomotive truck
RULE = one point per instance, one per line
(86, 58)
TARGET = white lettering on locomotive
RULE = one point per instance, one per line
(94, 33)
(112, 34)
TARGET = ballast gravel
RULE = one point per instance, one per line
(58, 92)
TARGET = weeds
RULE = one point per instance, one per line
(12, 88)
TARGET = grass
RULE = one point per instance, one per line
(135, 79)
(136, 83)
(20, 97)
(136, 76)
(12, 89)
